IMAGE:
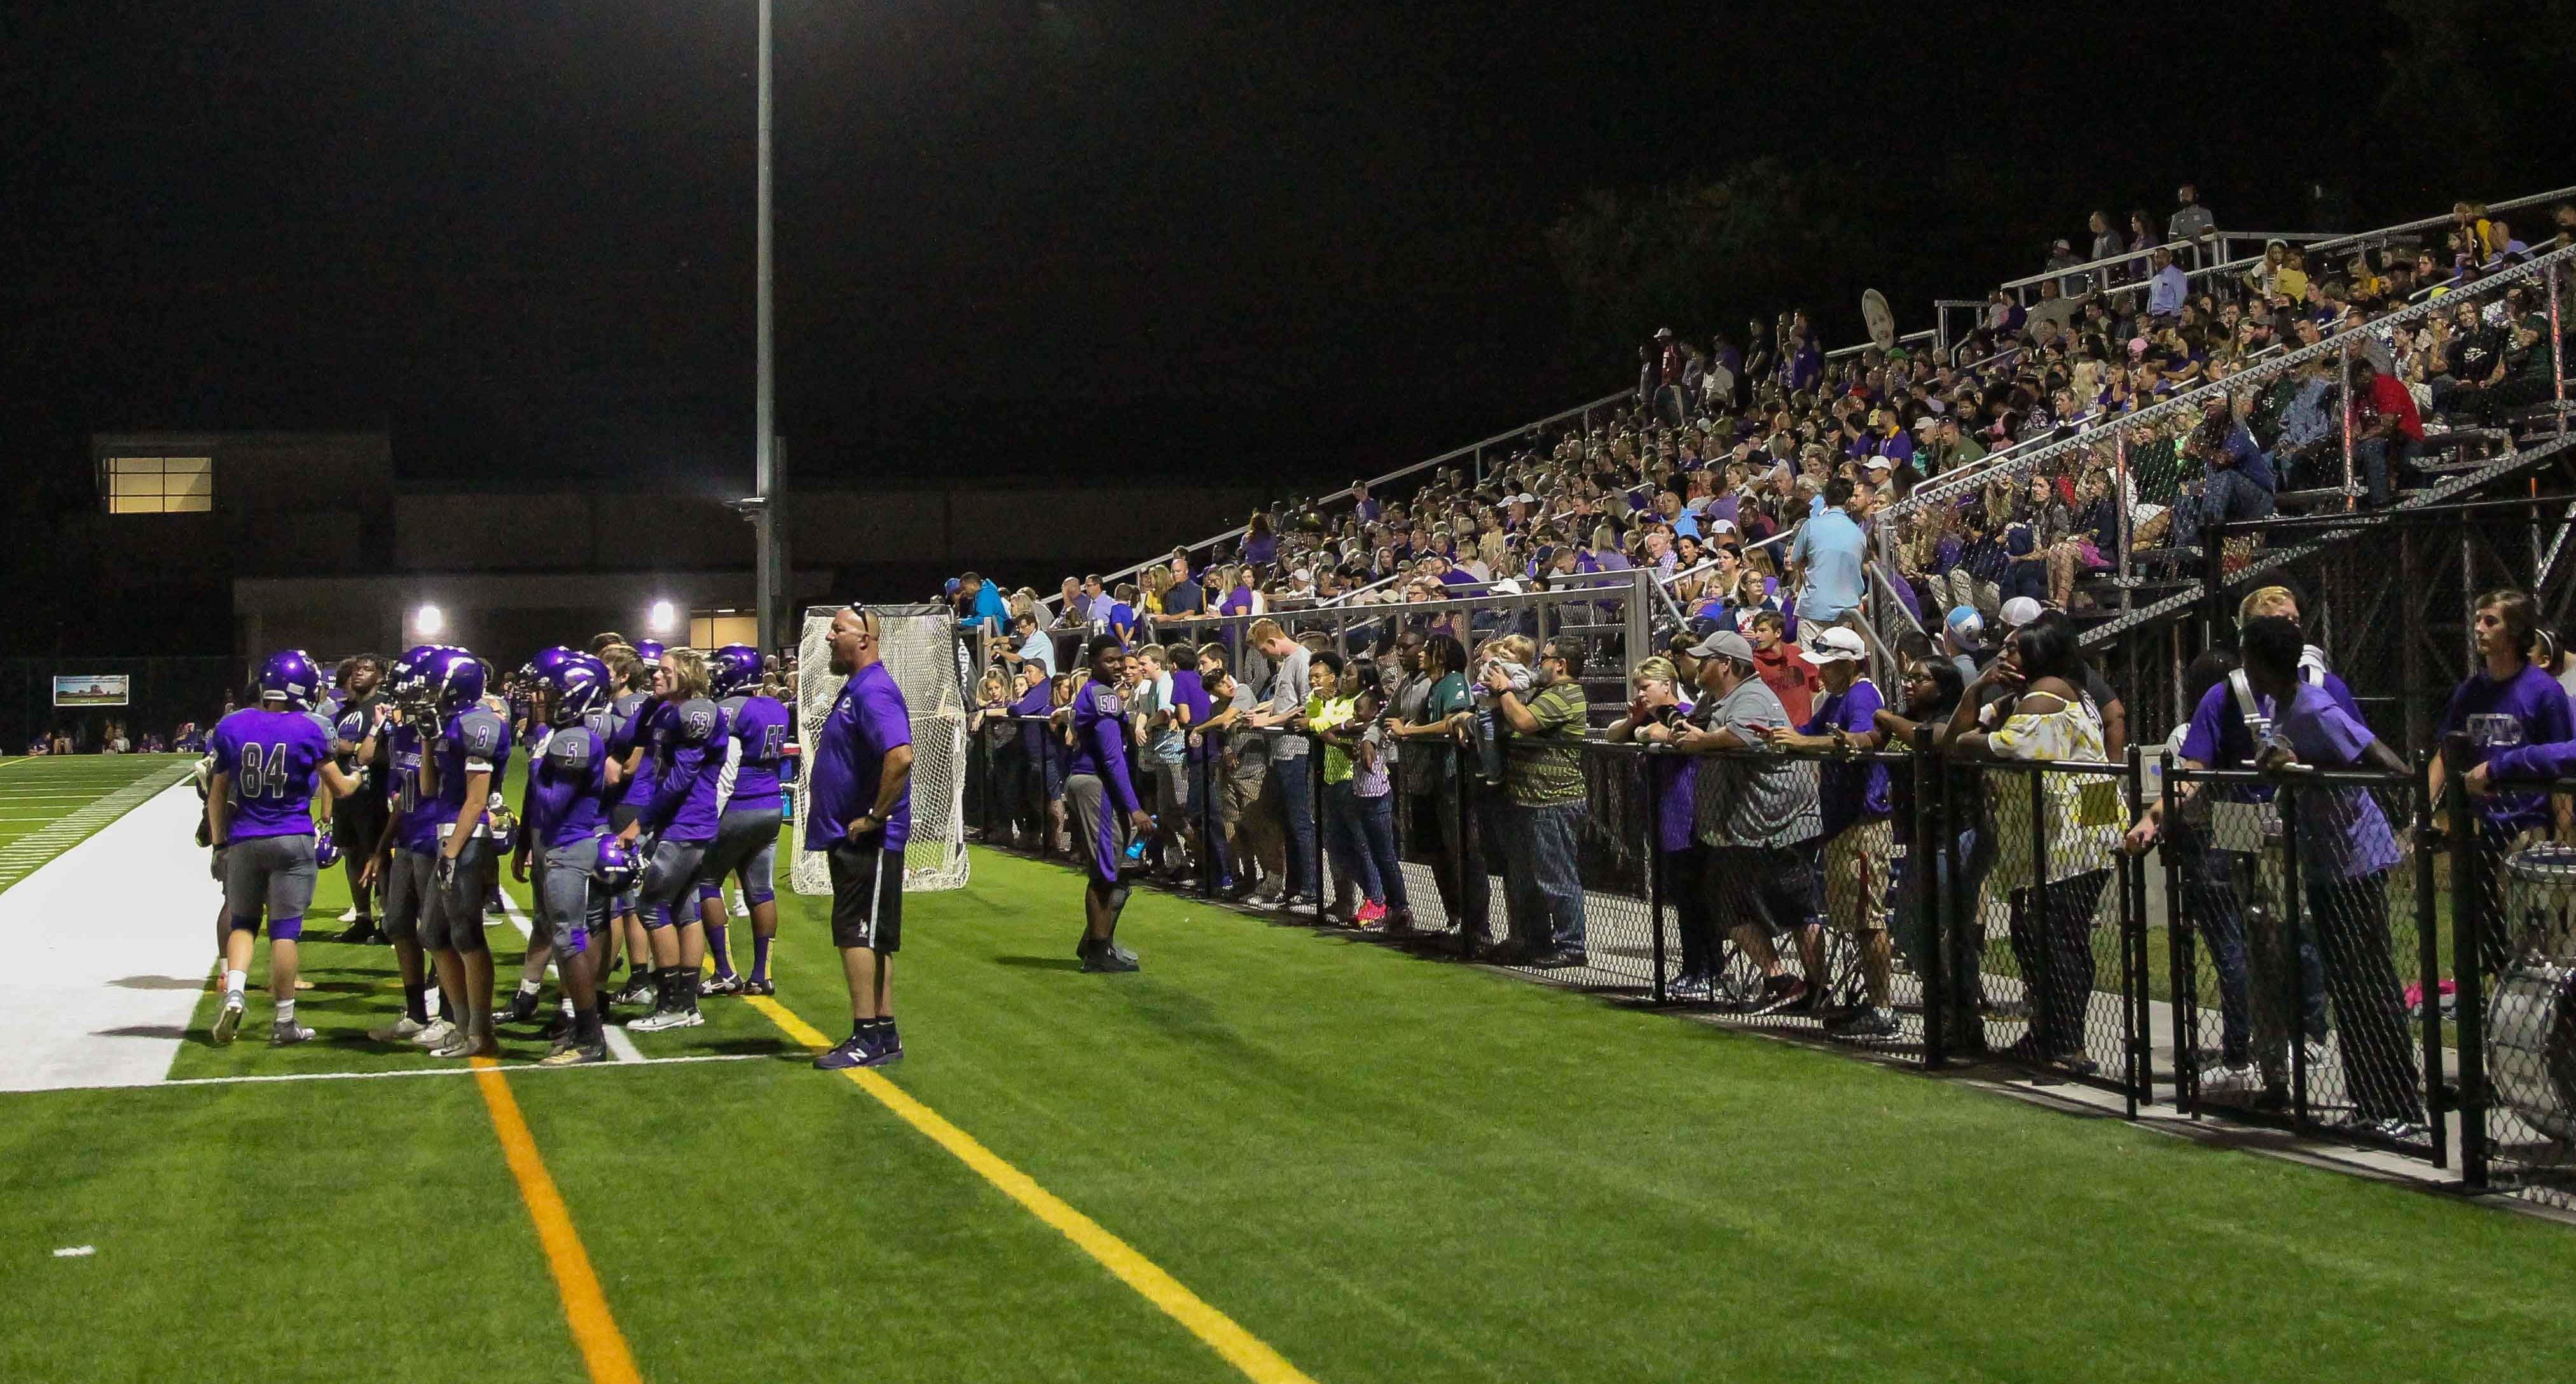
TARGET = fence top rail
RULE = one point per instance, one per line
(2295, 776)
(2191, 402)
(2441, 513)
(2093, 266)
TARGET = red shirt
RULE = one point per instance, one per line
(1792, 679)
(2390, 398)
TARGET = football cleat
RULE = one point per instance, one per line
(401, 1030)
(228, 1022)
(662, 1019)
(723, 985)
(567, 1053)
(439, 1033)
(286, 1033)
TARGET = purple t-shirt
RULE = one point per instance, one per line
(272, 758)
(867, 722)
(2529, 708)
(1188, 691)
(1848, 792)
(2217, 736)
(1669, 777)
(2342, 833)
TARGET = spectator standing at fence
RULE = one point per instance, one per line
(2507, 702)
(1429, 736)
(2168, 288)
(1183, 596)
(1545, 804)
(2049, 719)
(2346, 852)
(2191, 221)
(1826, 558)
(1373, 798)
(1756, 815)
(1287, 791)
(1237, 765)
(1853, 818)
(1657, 715)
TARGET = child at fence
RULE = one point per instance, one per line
(1657, 713)
(1328, 714)
(1381, 872)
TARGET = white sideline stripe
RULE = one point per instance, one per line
(620, 1046)
(514, 1069)
(133, 900)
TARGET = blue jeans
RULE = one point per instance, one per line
(1347, 843)
(1297, 808)
(1541, 872)
(2370, 456)
(1377, 830)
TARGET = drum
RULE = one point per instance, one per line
(2531, 1047)
(2540, 903)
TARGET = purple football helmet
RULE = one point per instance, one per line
(326, 852)
(649, 652)
(407, 682)
(733, 668)
(541, 667)
(580, 685)
(290, 674)
(456, 680)
(617, 866)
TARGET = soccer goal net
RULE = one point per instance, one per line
(920, 649)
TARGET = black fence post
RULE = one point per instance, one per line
(2213, 581)
(2182, 979)
(2468, 909)
(1315, 797)
(1656, 882)
(2428, 944)
(2133, 950)
(1961, 929)
(2035, 922)
(2293, 993)
(1202, 775)
(1924, 859)
(1468, 853)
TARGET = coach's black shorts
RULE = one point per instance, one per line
(357, 823)
(867, 897)
(1761, 887)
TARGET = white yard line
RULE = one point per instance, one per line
(513, 1069)
(108, 944)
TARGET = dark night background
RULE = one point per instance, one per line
(1163, 239)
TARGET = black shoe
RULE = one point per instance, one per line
(760, 987)
(1511, 951)
(1782, 994)
(1110, 960)
(522, 1008)
(1561, 960)
(364, 933)
(724, 985)
(889, 1043)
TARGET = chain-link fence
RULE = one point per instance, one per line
(2512, 902)
(2303, 971)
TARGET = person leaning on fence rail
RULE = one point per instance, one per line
(1656, 716)
(1757, 814)
(1932, 686)
(1546, 796)
(1428, 732)
(2049, 718)
(1854, 819)
(1231, 768)
(1285, 795)
(2506, 703)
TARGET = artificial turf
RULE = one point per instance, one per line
(1384, 1168)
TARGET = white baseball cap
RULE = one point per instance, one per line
(2020, 611)
(1835, 645)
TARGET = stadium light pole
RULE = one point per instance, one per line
(769, 558)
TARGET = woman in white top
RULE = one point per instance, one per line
(2081, 816)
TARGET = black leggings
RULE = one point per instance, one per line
(2055, 954)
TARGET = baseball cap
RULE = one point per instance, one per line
(1877, 463)
(1965, 622)
(1723, 644)
(1835, 645)
(2020, 611)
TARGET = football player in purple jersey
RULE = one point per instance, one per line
(686, 735)
(268, 760)
(1102, 800)
(633, 707)
(466, 758)
(749, 805)
(569, 780)
(400, 859)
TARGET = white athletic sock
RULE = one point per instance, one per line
(235, 982)
(529, 987)
(286, 1011)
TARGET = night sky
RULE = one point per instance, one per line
(1153, 239)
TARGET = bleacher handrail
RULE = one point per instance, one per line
(2189, 402)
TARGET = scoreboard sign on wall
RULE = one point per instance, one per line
(95, 689)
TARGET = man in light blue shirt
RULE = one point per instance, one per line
(1827, 557)
(1035, 646)
(2167, 289)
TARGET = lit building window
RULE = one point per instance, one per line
(158, 485)
(713, 629)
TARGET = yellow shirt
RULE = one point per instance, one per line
(1323, 714)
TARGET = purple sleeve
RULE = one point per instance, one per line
(887, 724)
(2342, 696)
(2200, 743)
(2329, 737)
(2551, 720)
(1860, 708)
(2552, 761)
(672, 788)
(1109, 740)
(226, 749)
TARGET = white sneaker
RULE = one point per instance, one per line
(2220, 1079)
(228, 1022)
(438, 1035)
(737, 907)
(661, 1019)
(463, 1043)
(400, 1030)
(286, 1033)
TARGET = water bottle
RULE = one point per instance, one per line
(1136, 848)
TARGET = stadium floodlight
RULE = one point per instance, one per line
(664, 617)
(428, 622)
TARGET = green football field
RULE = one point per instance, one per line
(1274, 1154)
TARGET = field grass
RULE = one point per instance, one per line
(1383, 1168)
(41, 794)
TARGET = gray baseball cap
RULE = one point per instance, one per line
(1723, 644)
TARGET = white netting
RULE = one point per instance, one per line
(920, 649)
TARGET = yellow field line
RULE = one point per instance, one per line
(1241, 1348)
(585, 1307)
